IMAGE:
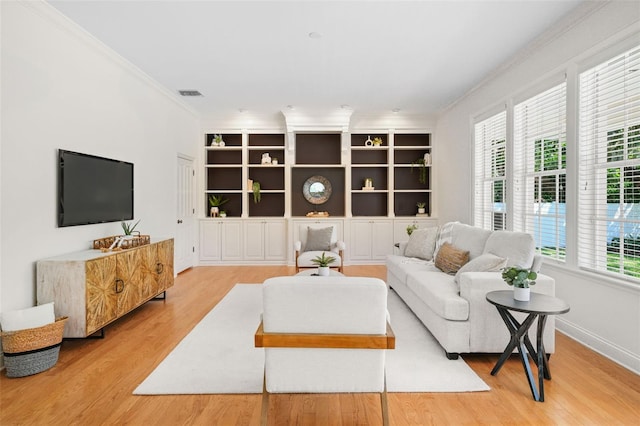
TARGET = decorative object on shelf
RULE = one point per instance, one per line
(249, 183)
(368, 185)
(323, 263)
(255, 187)
(368, 142)
(377, 141)
(521, 280)
(427, 158)
(422, 170)
(274, 161)
(217, 141)
(129, 229)
(318, 214)
(317, 189)
(215, 201)
(223, 214)
(266, 158)
(411, 228)
(421, 207)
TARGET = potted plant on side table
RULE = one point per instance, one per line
(521, 280)
(323, 263)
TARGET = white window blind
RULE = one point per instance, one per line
(490, 208)
(540, 170)
(609, 161)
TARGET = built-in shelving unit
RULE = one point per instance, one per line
(270, 176)
(408, 190)
(373, 218)
(318, 154)
(223, 166)
(369, 161)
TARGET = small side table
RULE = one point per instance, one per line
(314, 272)
(539, 307)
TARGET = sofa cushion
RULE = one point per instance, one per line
(484, 263)
(400, 266)
(518, 248)
(450, 258)
(318, 239)
(440, 293)
(469, 238)
(422, 243)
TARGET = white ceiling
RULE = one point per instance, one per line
(374, 56)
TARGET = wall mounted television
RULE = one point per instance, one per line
(93, 189)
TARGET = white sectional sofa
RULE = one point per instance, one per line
(454, 307)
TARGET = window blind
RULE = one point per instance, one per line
(540, 152)
(490, 208)
(609, 166)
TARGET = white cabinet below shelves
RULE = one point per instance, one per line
(265, 239)
(371, 240)
(220, 240)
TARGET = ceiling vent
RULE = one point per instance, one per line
(189, 93)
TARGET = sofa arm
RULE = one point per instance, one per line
(487, 330)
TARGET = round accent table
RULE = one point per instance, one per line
(314, 272)
(539, 307)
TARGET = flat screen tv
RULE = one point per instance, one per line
(93, 189)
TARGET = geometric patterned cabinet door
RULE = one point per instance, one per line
(150, 267)
(94, 288)
(165, 263)
(102, 297)
(129, 280)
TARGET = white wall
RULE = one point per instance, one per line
(61, 88)
(604, 314)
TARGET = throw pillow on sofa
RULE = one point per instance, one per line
(450, 259)
(484, 263)
(422, 243)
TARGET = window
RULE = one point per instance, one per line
(540, 175)
(609, 166)
(490, 172)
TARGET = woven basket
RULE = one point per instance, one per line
(32, 350)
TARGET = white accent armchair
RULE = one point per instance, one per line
(305, 319)
(313, 240)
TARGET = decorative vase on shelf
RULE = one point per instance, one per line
(421, 210)
(214, 211)
(323, 271)
(368, 142)
(522, 294)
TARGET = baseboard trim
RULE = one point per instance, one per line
(605, 348)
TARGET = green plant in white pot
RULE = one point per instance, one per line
(323, 263)
(521, 279)
(129, 229)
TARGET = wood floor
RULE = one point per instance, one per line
(92, 383)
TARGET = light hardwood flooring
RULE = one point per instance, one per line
(92, 383)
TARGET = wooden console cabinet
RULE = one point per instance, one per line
(94, 288)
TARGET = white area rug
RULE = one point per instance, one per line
(218, 355)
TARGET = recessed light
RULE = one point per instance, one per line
(314, 34)
(189, 93)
